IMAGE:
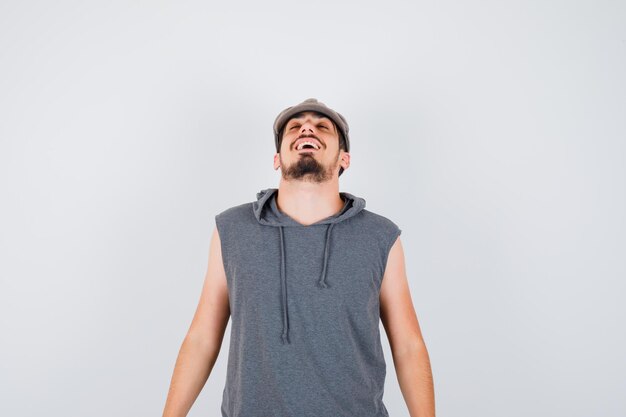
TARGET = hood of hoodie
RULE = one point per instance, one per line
(267, 213)
(266, 210)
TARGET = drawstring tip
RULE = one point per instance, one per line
(322, 284)
(285, 338)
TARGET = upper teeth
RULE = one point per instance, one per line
(301, 145)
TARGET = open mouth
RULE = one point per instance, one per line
(308, 146)
(307, 150)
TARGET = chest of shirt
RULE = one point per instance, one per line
(258, 265)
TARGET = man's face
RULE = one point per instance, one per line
(309, 150)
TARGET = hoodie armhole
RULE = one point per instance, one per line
(396, 232)
(222, 236)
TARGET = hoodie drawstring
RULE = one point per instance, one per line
(322, 281)
(283, 282)
(283, 277)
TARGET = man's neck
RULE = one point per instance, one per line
(308, 203)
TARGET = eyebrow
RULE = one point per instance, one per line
(319, 115)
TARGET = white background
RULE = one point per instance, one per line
(492, 132)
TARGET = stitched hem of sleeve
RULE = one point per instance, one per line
(396, 234)
(218, 225)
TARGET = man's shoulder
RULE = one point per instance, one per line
(377, 220)
(236, 212)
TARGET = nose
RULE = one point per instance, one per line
(306, 127)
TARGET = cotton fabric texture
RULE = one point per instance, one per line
(304, 303)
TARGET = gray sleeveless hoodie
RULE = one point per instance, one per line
(304, 303)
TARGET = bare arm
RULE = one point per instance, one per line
(410, 355)
(200, 349)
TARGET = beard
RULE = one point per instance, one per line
(307, 169)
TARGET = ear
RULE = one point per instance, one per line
(276, 161)
(345, 160)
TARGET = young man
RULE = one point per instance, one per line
(306, 273)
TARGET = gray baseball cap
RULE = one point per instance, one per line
(311, 104)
